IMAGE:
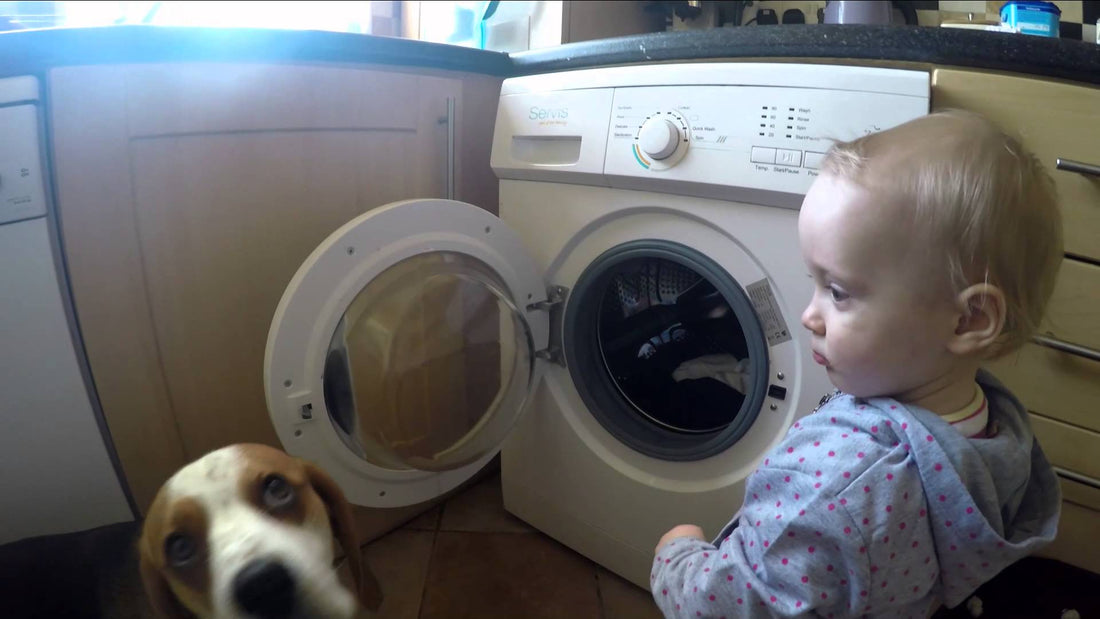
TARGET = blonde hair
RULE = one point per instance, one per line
(983, 205)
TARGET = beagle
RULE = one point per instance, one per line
(246, 532)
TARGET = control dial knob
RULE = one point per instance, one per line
(659, 138)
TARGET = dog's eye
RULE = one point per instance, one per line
(277, 492)
(180, 549)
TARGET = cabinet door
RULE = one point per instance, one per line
(189, 195)
(103, 259)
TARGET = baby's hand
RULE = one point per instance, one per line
(679, 531)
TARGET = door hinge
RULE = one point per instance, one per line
(555, 305)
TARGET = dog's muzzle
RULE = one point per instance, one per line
(265, 588)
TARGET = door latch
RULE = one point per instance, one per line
(555, 305)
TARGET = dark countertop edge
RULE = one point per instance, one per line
(1053, 58)
(30, 51)
(34, 51)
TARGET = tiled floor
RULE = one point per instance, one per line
(470, 558)
(467, 558)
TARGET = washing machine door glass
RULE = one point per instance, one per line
(430, 364)
(403, 350)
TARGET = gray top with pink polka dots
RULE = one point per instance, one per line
(871, 508)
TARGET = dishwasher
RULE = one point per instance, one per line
(57, 474)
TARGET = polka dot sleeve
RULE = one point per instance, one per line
(810, 540)
(785, 558)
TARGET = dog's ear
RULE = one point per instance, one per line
(160, 595)
(368, 590)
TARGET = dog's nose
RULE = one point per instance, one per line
(265, 588)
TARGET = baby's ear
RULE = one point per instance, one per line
(981, 318)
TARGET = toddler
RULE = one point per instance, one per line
(933, 247)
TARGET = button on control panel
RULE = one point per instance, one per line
(763, 155)
(784, 156)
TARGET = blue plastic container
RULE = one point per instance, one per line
(1035, 18)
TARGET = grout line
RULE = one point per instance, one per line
(427, 577)
(599, 592)
(431, 553)
(494, 532)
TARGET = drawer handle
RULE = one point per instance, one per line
(1077, 477)
(1074, 349)
(1070, 165)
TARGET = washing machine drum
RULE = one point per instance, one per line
(666, 350)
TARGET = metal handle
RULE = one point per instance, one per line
(1070, 165)
(1068, 347)
(1077, 477)
(450, 148)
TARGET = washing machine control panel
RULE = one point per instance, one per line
(742, 138)
(752, 132)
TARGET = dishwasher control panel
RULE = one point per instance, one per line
(22, 194)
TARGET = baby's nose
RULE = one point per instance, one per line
(812, 320)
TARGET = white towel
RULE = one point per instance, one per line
(723, 368)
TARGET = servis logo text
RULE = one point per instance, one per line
(549, 116)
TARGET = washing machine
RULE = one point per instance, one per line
(626, 334)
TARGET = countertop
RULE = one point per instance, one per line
(1061, 58)
(34, 51)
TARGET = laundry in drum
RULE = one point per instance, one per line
(721, 367)
(672, 345)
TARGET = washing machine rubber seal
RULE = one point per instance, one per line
(596, 387)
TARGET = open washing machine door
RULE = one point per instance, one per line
(404, 349)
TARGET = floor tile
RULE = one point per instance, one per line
(481, 508)
(508, 575)
(622, 599)
(428, 521)
(400, 561)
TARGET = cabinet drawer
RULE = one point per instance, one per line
(1054, 120)
(1085, 495)
(1078, 541)
(1068, 447)
(1057, 384)
(1074, 311)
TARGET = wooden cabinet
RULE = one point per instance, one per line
(1054, 120)
(189, 194)
(1079, 527)
(1062, 390)
(1058, 385)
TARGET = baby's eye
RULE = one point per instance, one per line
(837, 294)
